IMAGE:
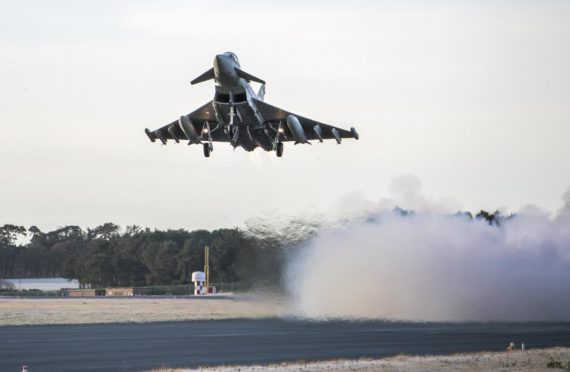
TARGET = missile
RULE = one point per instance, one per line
(160, 136)
(318, 132)
(354, 133)
(297, 129)
(149, 134)
(336, 135)
(172, 134)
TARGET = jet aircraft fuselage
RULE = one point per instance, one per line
(240, 116)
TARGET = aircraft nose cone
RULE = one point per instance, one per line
(221, 64)
(217, 61)
(221, 60)
(224, 70)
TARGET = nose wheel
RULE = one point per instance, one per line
(207, 149)
(279, 149)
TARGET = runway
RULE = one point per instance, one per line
(121, 347)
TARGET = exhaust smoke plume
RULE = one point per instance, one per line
(432, 266)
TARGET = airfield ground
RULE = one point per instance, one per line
(553, 359)
(21, 311)
(128, 330)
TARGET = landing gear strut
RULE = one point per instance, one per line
(207, 149)
(279, 149)
(207, 133)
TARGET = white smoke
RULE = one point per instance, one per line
(432, 266)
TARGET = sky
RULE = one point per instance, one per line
(469, 99)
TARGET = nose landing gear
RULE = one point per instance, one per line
(279, 149)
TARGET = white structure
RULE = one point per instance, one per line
(199, 277)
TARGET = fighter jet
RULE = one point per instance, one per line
(239, 116)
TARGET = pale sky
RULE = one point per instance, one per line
(470, 97)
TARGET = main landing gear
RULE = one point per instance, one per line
(279, 149)
(207, 149)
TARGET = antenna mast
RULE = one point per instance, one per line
(207, 266)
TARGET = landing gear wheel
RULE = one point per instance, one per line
(207, 150)
(279, 149)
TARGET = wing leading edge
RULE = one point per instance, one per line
(314, 130)
(194, 127)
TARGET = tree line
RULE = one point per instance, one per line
(108, 255)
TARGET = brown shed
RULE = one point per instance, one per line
(83, 292)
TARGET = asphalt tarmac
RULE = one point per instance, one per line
(128, 347)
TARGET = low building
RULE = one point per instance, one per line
(124, 292)
(84, 292)
(120, 292)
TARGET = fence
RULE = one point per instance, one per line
(163, 290)
(31, 293)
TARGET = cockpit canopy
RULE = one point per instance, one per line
(233, 56)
